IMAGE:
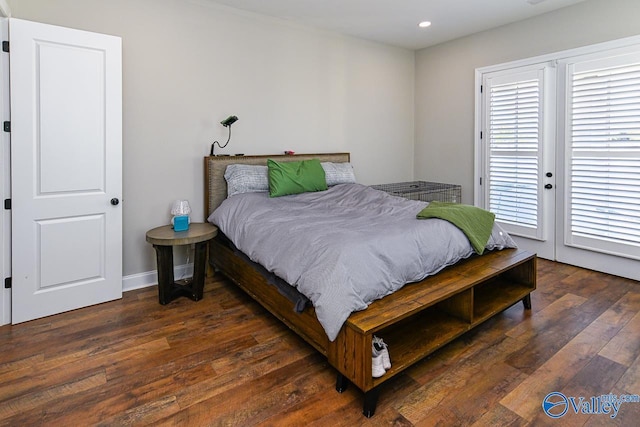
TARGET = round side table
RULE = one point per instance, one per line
(163, 240)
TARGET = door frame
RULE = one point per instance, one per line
(5, 170)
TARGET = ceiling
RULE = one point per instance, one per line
(395, 22)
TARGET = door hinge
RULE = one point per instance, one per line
(7, 126)
(5, 46)
(7, 283)
(481, 88)
(7, 204)
(480, 180)
(480, 134)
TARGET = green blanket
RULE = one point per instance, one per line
(474, 222)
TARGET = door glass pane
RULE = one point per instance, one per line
(514, 129)
(604, 132)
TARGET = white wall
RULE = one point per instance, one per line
(5, 10)
(188, 64)
(445, 78)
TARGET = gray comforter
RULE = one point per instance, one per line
(345, 247)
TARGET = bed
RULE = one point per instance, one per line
(414, 320)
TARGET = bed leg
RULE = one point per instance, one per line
(370, 401)
(342, 383)
(526, 301)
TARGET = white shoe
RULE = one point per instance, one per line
(381, 346)
(377, 368)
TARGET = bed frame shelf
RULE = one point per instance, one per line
(415, 322)
(421, 334)
(494, 297)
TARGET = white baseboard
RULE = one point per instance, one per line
(150, 278)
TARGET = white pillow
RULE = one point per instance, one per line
(338, 173)
(246, 179)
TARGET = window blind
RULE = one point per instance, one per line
(604, 119)
(514, 134)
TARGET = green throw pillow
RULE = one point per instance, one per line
(295, 177)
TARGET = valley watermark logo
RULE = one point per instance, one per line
(556, 404)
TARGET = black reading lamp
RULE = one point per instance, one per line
(226, 123)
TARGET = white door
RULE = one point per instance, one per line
(518, 182)
(66, 163)
(600, 132)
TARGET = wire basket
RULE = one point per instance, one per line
(424, 191)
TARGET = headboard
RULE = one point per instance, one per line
(215, 187)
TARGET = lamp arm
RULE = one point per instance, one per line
(221, 146)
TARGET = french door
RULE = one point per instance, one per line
(518, 182)
(599, 106)
(559, 156)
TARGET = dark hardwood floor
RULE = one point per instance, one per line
(225, 361)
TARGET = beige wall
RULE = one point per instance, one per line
(445, 78)
(188, 64)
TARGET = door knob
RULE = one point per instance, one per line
(115, 201)
(548, 186)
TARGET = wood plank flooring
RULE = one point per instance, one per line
(225, 361)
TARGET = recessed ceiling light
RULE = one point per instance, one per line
(424, 24)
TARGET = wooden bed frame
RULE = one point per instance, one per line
(414, 321)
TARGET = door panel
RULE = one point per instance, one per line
(66, 166)
(600, 132)
(71, 251)
(519, 158)
(74, 74)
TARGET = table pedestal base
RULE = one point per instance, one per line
(168, 288)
